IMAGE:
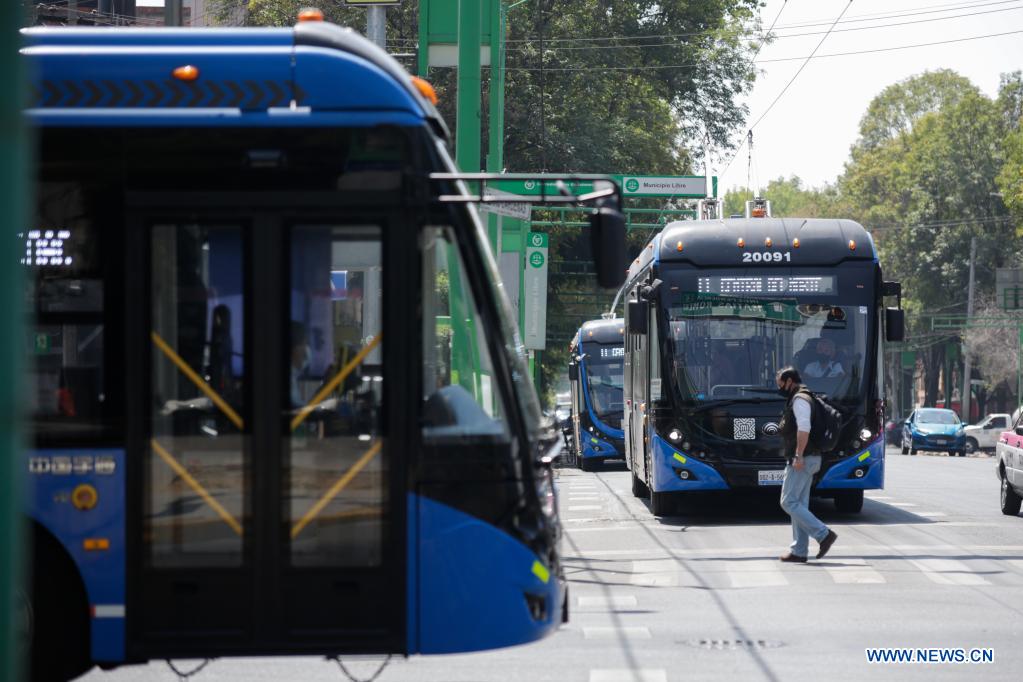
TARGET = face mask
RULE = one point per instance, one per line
(783, 393)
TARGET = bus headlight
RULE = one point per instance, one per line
(674, 435)
(865, 435)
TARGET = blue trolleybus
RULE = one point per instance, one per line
(595, 378)
(713, 310)
(277, 403)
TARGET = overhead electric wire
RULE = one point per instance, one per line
(753, 33)
(765, 36)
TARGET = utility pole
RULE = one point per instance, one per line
(376, 25)
(967, 387)
(14, 200)
(172, 14)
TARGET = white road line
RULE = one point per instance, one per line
(901, 504)
(756, 573)
(617, 633)
(612, 602)
(658, 573)
(853, 572)
(589, 519)
(930, 513)
(949, 572)
(626, 675)
(878, 497)
(583, 507)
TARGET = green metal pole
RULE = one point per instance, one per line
(14, 189)
(495, 154)
(423, 57)
(467, 124)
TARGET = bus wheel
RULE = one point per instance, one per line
(660, 503)
(639, 488)
(58, 615)
(849, 501)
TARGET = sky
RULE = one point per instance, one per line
(810, 129)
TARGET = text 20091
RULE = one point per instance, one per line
(767, 257)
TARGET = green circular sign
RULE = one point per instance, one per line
(536, 260)
(631, 185)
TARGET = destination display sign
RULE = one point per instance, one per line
(769, 285)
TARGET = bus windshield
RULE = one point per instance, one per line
(728, 344)
(604, 370)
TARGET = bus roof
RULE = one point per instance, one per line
(602, 331)
(311, 74)
(716, 242)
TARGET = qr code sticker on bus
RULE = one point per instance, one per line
(745, 428)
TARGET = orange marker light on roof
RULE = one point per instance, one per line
(310, 14)
(795, 243)
(852, 245)
(425, 89)
(741, 243)
(768, 242)
(186, 73)
(679, 247)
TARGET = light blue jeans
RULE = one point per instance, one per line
(795, 500)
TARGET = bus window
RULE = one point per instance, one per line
(459, 393)
(198, 460)
(335, 495)
(63, 254)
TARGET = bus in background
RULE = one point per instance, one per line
(713, 310)
(595, 377)
(278, 404)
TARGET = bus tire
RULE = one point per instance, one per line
(1011, 502)
(660, 503)
(639, 488)
(849, 501)
(59, 614)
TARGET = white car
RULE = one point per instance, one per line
(984, 434)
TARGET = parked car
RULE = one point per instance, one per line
(1009, 454)
(985, 434)
(933, 429)
(893, 432)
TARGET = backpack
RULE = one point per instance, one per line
(825, 424)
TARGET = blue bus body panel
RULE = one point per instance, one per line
(839, 476)
(53, 476)
(231, 37)
(666, 462)
(472, 582)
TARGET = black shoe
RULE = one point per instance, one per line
(826, 543)
(792, 558)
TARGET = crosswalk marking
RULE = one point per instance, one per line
(949, 572)
(930, 513)
(617, 633)
(629, 675)
(583, 507)
(854, 572)
(756, 573)
(612, 602)
(660, 573)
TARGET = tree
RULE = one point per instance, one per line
(789, 199)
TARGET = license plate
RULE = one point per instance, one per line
(940, 441)
(772, 477)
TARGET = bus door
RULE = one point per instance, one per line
(269, 512)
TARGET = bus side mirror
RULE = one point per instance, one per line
(573, 371)
(607, 238)
(637, 317)
(894, 324)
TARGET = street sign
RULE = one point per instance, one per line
(685, 186)
(535, 290)
(677, 186)
(508, 209)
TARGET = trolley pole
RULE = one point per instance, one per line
(14, 187)
(967, 386)
(376, 25)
